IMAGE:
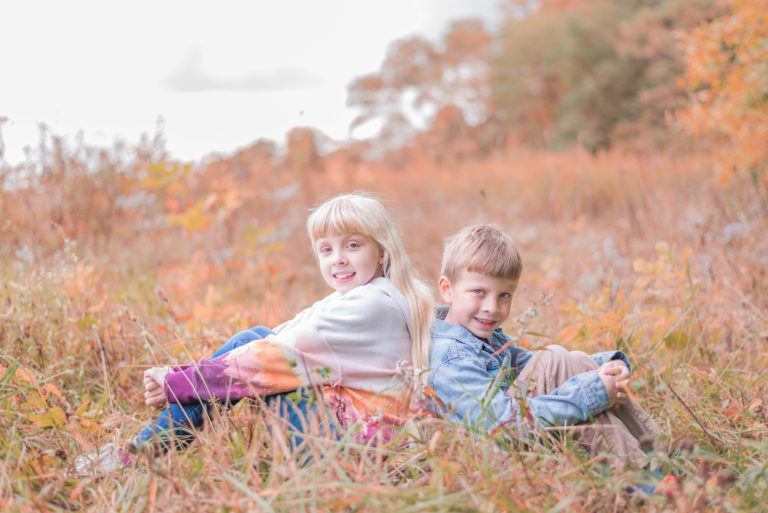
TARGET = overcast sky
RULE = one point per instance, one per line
(220, 75)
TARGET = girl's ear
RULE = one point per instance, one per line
(446, 291)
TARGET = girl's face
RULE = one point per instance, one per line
(348, 260)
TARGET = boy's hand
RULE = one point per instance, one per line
(154, 387)
(615, 377)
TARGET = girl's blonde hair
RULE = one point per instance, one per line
(360, 213)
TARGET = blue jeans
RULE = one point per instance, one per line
(176, 425)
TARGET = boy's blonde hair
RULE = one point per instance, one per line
(481, 248)
(360, 213)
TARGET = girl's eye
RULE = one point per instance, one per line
(325, 250)
(353, 245)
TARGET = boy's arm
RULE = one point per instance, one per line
(577, 400)
(607, 356)
(472, 397)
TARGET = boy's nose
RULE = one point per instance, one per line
(490, 305)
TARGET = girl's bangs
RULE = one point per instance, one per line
(336, 220)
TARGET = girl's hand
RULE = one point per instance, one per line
(154, 387)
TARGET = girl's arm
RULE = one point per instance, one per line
(230, 376)
(356, 341)
(154, 394)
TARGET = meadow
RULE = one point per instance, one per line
(113, 260)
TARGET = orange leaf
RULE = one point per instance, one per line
(96, 308)
(51, 389)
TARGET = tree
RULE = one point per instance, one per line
(593, 71)
(727, 76)
(301, 149)
(418, 78)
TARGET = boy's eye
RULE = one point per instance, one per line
(478, 292)
(505, 295)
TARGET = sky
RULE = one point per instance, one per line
(214, 76)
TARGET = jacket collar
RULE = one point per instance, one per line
(444, 329)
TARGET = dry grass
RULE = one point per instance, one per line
(113, 261)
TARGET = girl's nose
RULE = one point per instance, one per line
(340, 258)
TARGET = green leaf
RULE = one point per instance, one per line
(54, 416)
(83, 407)
(677, 340)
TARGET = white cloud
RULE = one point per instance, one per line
(191, 77)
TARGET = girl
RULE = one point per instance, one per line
(351, 345)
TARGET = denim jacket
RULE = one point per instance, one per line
(472, 382)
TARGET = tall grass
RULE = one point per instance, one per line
(115, 260)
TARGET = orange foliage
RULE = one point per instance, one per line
(727, 74)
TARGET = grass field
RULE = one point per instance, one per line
(114, 261)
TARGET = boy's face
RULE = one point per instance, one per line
(477, 302)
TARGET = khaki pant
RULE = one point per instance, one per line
(620, 429)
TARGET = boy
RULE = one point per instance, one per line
(481, 377)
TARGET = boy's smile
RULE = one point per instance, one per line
(348, 260)
(478, 302)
